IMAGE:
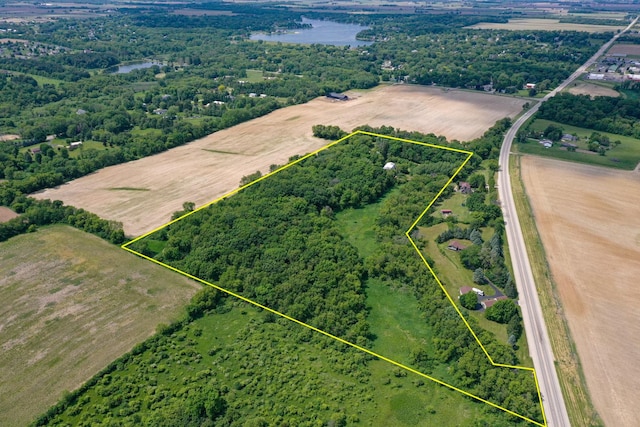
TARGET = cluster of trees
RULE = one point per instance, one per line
(602, 113)
(35, 213)
(487, 262)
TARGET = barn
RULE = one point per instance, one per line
(338, 96)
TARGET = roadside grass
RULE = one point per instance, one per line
(72, 303)
(579, 406)
(624, 156)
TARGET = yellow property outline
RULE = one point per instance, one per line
(407, 233)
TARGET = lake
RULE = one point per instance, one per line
(323, 32)
(124, 69)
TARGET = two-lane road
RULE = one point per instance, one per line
(534, 325)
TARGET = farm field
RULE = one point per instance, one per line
(591, 89)
(547, 24)
(143, 194)
(588, 221)
(6, 214)
(72, 303)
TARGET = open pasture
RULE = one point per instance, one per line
(212, 166)
(588, 219)
(72, 303)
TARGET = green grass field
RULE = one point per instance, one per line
(271, 370)
(625, 156)
(72, 303)
(254, 76)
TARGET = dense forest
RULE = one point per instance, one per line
(278, 242)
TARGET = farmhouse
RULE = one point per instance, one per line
(465, 290)
(455, 246)
(569, 137)
(389, 166)
(465, 188)
(338, 96)
(489, 302)
(547, 143)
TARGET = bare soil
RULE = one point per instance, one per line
(210, 167)
(6, 214)
(8, 137)
(582, 88)
(71, 304)
(589, 222)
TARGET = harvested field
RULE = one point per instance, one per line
(593, 90)
(545, 24)
(72, 303)
(8, 137)
(6, 214)
(589, 222)
(212, 166)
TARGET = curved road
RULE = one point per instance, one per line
(534, 325)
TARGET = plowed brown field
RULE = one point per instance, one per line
(143, 194)
(589, 222)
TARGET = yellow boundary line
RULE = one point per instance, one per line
(407, 233)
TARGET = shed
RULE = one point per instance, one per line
(455, 246)
(389, 166)
(74, 145)
(446, 212)
(338, 96)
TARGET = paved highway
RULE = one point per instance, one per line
(534, 325)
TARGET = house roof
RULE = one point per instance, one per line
(456, 245)
(446, 211)
(489, 302)
(465, 290)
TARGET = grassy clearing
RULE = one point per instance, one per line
(254, 76)
(625, 156)
(72, 303)
(579, 406)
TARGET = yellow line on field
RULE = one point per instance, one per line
(407, 233)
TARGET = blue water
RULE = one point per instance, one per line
(124, 69)
(323, 32)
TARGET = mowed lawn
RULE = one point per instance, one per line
(72, 303)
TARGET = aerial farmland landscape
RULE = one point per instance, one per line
(319, 213)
